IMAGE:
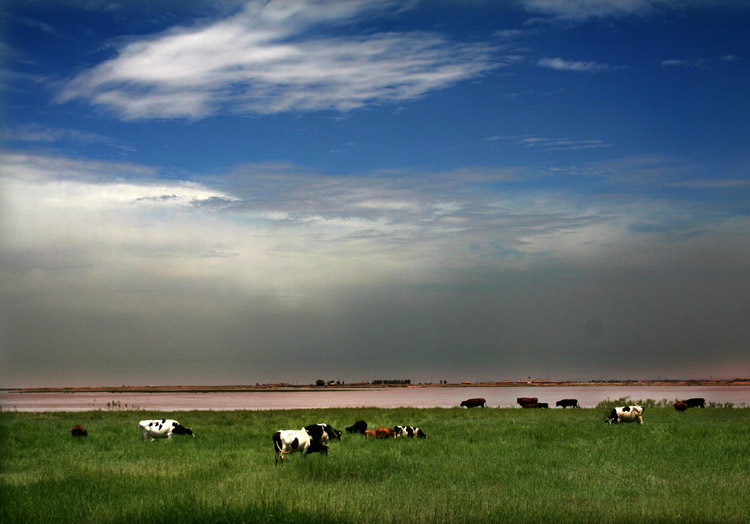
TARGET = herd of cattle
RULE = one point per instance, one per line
(315, 438)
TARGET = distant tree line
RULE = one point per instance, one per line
(391, 381)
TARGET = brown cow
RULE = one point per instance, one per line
(527, 402)
(680, 406)
(474, 403)
(382, 432)
(370, 433)
(78, 431)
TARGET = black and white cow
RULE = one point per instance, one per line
(408, 431)
(322, 432)
(625, 414)
(163, 428)
(290, 441)
(358, 427)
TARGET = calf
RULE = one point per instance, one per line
(382, 432)
(567, 403)
(541, 405)
(474, 403)
(625, 414)
(527, 402)
(408, 431)
(370, 433)
(289, 441)
(358, 427)
(680, 406)
(163, 428)
(78, 431)
(695, 402)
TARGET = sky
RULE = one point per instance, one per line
(236, 192)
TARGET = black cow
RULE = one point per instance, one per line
(541, 405)
(695, 402)
(358, 427)
(567, 403)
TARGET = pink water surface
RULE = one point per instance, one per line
(443, 397)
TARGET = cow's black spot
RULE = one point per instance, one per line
(626, 409)
(295, 443)
(410, 431)
(315, 431)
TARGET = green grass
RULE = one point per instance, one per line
(480, 465)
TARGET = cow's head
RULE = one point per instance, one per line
(421, 434)
(178, 429)
(333, 433)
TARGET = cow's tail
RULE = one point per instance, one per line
(277, 445)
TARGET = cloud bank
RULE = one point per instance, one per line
(271, 272)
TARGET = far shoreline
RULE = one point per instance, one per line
(281, 387)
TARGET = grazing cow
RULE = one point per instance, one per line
(163, 428)
(695, 402)
(408, 431)
(527, 402)
(625, 414)
(358, 427)
(680, 406)
(541, 405)
(322, 432)
(567, 403)
(474, 403)
(382, 432)
(289, 441)
(370, 433)
(78, 431)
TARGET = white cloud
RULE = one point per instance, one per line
(579, 67)
(560, 144)
(296, 231)
(275, 57)
(583, 9)
(580, 10)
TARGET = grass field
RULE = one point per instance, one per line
(479, 465)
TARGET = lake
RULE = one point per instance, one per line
(440, 397)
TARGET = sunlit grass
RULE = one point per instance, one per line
(480, 465)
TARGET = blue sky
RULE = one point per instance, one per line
(241, 192)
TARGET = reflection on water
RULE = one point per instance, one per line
(588, 397)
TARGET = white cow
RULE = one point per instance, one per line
(163, 428)
(625, 414)
(288, 441)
